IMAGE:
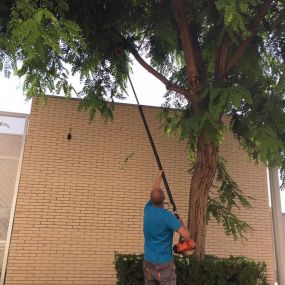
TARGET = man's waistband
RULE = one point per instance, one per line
(157, 266)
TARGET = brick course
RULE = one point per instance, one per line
(78, 203)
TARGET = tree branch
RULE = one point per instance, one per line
(169, 85)
(221, 58)
(190, 48)
(253, 30)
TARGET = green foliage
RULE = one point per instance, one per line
(40, 43)
(124, 166)
(227, 198)
(236, 13)
(216, 101)
(213, 270)
(259, 126)
(40, 46)
(129, 269)
(224, 99)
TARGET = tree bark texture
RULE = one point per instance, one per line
(202, 179)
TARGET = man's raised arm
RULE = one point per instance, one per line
(183, 230)
(158, 180)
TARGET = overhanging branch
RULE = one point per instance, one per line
(253, 30)
(168, 84)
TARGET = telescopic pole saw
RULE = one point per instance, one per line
(186, 247)
(157, 158)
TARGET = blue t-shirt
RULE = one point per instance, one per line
(159, 225)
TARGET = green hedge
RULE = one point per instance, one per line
(212, 271)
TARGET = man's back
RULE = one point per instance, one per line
(159, 225)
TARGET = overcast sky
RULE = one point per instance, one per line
(149, 90)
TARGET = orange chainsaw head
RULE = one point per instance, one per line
(185, 247)
(157, 196)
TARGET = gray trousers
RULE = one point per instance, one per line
(162, 274)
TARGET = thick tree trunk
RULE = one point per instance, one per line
(201, 183)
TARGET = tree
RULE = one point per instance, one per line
(215, 58)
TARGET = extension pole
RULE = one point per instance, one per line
(154, 149)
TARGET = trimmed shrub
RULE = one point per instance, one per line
(212, 271)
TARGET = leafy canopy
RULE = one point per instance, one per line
(99, 39)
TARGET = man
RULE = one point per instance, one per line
(159, 225)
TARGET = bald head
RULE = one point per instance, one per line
(157, 196)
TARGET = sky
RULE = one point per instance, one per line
(149, 90)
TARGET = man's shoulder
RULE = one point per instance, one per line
(168, 214)
(165, 215)
(170, 218)
(148, 204)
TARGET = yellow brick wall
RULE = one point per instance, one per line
(77, 205)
